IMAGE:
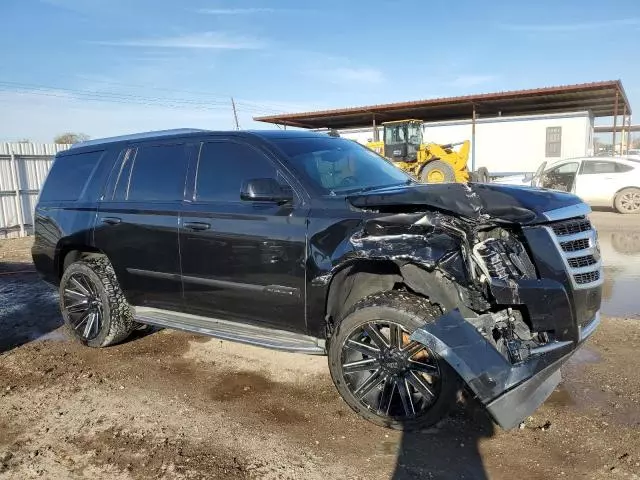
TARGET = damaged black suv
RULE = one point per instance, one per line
(306, 242)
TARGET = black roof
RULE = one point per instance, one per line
(271, 134)
(189, 132)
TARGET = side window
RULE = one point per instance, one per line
(553, 146)
(591, 167)
(622, 168)
(567, 168)
(69, 175)
(157, 173)
(223, 166)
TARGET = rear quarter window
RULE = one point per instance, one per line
(69, 175)
(622, 168)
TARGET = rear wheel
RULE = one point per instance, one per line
(380, 373)
(92, 305)
(437, 171)
(628, 201)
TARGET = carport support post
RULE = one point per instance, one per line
(628, 133)
(375, 129)
(615, 122)
(16, 183)
(624, 121)
(473, 139)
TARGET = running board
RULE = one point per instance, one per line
(232, 331)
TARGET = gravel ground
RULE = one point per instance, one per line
(172, 405)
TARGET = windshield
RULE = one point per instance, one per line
(338, 165)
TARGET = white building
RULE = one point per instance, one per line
(510, 144)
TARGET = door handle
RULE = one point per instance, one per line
(111, 220)
(197, 226)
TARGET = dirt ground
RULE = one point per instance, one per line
(171, 405)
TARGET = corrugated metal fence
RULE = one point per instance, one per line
(23, 169)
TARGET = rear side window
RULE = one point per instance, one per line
(621, 168)
(153, 173)
(223, 166)
(69, 175)
(591, 167)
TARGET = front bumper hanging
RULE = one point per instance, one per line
(509, 392)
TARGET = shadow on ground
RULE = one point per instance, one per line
(448, 452)
(28, 306)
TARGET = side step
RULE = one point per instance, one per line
(232, 331)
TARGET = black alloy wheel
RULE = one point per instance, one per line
(387, 372)
(83, 306)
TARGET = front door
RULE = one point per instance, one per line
(137, 223)
(242, 260)
(562, 177)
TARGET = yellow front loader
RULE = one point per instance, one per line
(427, 162)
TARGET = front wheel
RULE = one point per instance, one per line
(381, 374)
(437, 171)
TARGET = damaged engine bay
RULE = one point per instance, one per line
(476, 254)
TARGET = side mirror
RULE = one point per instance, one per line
(265, 190)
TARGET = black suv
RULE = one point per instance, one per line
(312, 243)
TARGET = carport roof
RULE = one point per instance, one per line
(598, 97)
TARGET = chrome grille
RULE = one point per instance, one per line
(580, 262)
(578, 243)
(571, 226)
(575, 245)
(589, 277)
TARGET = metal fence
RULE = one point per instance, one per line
(23, 169)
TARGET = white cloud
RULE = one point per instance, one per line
(467, 81)
(348, 75)
(205, 40)
(570, 27)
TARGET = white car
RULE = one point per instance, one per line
(599, 181)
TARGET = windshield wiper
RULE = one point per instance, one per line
(371, 187)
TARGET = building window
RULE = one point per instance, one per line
(554, 142)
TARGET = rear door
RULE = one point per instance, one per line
(242, 260)
(137, 224)
(597, 181)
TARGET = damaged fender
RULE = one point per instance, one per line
(509, 392)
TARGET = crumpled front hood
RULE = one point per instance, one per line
(507, 203)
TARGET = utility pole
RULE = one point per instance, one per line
(235, 114)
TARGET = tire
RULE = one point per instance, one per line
(437, 171)
(627, 201)
(382, 404)
(93, 306)
(482, 175)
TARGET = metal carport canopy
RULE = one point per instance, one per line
(602, 99)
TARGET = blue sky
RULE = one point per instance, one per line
(106, 67)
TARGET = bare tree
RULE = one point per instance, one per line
(635, 143)
(71, 137)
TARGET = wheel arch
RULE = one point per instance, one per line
(67, 253)
(615, 195)
(362, 278)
